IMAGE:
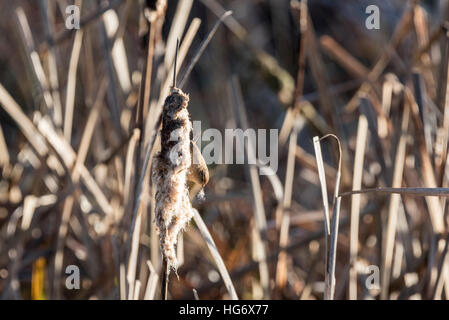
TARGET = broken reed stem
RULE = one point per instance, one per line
(152, 282)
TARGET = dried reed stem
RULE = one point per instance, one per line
(260, 248)
(281, 269)
(215, 254)
(362, 133)
(394, 205)
(330, 231)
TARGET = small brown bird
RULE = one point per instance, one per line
(198, 173)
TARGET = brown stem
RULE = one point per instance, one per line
(164, 279)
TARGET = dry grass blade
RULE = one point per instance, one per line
(202, 47)
(231, 23)
(215, 254)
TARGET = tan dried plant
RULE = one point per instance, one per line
(170, 169)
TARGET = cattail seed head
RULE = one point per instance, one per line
(173, 208)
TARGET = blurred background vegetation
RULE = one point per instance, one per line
(75, 126)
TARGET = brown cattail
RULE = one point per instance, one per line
(170, 169)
